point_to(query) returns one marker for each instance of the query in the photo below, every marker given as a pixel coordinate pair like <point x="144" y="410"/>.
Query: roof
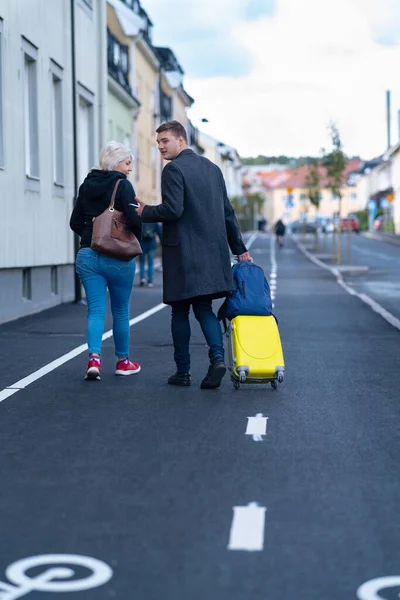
<point x="296" y="178"/>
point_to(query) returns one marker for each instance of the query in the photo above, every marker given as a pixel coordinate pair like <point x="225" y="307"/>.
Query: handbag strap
<point x="111" y="207"/>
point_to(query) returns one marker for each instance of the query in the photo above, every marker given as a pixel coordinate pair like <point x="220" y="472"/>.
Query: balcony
<point x="137" y="8"/>
<point x="165" y="107"/>
<point x="118" y="61"/>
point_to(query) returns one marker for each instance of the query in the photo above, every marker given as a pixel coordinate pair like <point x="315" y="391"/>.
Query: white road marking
<point x="251" y="240"/>
<point x="247" y="529"/>
<point x="58" y="362"/>
<point x="368" y="590"/>
<point x="49" y="581"/>
<point x="376" y="307"/>
<point x="257" y="427"/>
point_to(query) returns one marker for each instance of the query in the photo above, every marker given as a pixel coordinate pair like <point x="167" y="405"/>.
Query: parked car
<point x="378" y="223"/>
<point x="351" y="222"/>
<point x="301" y="227"/>
<point x="329" y="226"/>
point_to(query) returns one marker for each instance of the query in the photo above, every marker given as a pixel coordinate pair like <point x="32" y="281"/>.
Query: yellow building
<point x="286" y="194"/>
<point x="147" y="81"/>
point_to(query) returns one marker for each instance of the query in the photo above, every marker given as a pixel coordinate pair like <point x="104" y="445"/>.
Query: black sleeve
<point x="77" y="219"/>
<point x="235" y="240"/>
<point x="126" y="196"/>
<point x="173" y="193"/>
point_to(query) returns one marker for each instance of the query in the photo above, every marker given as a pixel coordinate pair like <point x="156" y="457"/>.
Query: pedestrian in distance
<point x="98" y="272"/>
<point x="150" y="233"/>
<point x="199" y="227"/>
<point x="280" y="230"/>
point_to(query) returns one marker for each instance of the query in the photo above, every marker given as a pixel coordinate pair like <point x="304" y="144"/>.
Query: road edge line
<point x="375" y="306"/>
<point x="61" y="360"/>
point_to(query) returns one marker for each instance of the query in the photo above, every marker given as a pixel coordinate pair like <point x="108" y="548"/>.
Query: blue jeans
<point x="180" y="327"/>
<point x="97" y="272"/>
<point x="150" y="263"/>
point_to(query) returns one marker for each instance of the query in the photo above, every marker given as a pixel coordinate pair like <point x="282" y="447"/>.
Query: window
<point x="27" y="283"/>
<point x="1" y="98"/>
<point x="54" y="280"/>
<point x="31" y="110"/>
<point x="86" y="159"/>
<point x="57" y="124"/>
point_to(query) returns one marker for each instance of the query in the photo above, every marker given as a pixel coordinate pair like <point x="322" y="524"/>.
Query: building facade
<point x="53" y="123"/>
<point x="122" y="103"/>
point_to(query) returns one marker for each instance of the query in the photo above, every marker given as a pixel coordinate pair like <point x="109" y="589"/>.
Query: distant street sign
<point x="289" y="190"/>
<point x="390" y="197"/>
<point x="289" y="202"/>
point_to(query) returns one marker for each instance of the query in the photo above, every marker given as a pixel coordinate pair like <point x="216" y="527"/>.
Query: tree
<point x="313" y="183"/>
<point x="335" y="163"/>
<point x="246" y="209"/>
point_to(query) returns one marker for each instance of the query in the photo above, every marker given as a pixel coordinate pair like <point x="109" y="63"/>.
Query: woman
<point x="96" y="271"/>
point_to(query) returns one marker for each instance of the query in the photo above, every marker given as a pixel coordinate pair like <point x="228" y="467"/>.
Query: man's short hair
<point x="176" y="128"/>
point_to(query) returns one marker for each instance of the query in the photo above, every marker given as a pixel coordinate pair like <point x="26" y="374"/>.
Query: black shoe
<point x="182" y="379"/>
<point x="213" y="379"/>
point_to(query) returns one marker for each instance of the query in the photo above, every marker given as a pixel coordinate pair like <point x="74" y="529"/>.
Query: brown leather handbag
<point x="111" y="236"/>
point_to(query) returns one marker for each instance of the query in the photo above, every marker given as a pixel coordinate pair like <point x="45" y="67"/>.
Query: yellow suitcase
<point x="255" y="351"/>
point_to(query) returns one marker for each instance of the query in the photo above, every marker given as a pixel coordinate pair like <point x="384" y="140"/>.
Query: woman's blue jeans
<point x="97" y="272"/>
<point x="180" y="327"/>
<point x="150" y="264"/>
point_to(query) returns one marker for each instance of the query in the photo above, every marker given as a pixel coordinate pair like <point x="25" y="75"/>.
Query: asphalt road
<point x="145" y="477"/>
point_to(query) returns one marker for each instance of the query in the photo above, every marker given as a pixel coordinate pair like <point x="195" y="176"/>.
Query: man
<point x="199" y="226"/>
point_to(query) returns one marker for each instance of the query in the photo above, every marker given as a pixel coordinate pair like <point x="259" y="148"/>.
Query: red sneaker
<point x="93" y="368"/>
<point x="127" y="367"/>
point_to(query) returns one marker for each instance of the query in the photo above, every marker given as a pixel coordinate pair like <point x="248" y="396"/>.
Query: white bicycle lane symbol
<point x="49" y="580"/>
<point x="370" y="589"/>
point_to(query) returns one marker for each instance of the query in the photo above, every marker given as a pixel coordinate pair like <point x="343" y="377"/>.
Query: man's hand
<point x="244" y="257"/>
<point x="141" y="206"/>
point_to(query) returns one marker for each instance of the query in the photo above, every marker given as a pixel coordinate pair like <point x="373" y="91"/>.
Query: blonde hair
<point x="112" y="154"/>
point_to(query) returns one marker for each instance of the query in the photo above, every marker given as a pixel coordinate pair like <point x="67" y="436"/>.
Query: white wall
<point x="34" y="228"/>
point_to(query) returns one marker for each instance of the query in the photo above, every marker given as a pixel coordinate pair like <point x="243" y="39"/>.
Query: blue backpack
<point x="251" y="295"/>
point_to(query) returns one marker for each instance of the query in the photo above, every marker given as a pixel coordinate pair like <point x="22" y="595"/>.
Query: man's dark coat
<point x="199" y="227"/>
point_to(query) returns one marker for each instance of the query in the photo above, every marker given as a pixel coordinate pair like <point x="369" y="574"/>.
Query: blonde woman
<point x="98" y="272"/>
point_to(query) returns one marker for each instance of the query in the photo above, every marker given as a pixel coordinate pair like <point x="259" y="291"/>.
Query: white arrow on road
<point x="247" y="530"/>
<point x="257" y="427"/>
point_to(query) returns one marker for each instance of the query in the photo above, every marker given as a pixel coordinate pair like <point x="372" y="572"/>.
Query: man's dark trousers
<point x="180" y="327"/>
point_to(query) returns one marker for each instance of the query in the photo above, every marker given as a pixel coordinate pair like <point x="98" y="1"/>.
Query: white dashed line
<point x="257" y="427"/>
<point x="247" y="529"/>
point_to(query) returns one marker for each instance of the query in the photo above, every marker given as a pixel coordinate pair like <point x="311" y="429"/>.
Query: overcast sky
<point x="270" y="74"/>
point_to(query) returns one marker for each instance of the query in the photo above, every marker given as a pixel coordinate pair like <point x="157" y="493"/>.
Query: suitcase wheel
<point x="274" y="384"/>
<point x="235" y="382"/>
<point x="280" y="376"/>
